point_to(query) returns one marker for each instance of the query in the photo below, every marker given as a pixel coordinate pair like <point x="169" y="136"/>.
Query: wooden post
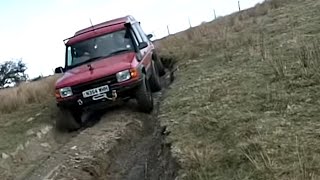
<point x="168" y="29"/>
<point x="215" y="16"/>
<point x="239" y="5"/>
<point x="189" y="22"/>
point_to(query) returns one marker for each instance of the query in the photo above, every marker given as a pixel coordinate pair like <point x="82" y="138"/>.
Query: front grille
<point x="78" y="89"/>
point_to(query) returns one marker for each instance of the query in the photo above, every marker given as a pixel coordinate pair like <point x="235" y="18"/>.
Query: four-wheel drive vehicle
<point x="106" y="62"/>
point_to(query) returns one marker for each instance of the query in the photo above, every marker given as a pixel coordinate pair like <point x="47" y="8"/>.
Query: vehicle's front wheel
<point x="144" y="97"/>
<point x="68" y="120"/>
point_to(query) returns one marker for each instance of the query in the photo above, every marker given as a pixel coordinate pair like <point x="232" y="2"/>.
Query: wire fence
<point x="183" y="23"/>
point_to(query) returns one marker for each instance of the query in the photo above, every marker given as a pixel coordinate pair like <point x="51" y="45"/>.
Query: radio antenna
<point x="91" y="22"/>
<point x="92" y="26"/>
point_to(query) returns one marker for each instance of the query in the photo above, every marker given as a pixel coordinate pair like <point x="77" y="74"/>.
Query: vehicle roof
<point x="99" y="29"/>
<point x="120" y="20"/>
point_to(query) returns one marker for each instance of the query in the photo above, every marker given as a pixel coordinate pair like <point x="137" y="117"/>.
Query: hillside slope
<point x="245" y="104"/>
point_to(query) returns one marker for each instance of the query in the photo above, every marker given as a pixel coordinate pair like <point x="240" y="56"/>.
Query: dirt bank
<point x="122" y="143"/>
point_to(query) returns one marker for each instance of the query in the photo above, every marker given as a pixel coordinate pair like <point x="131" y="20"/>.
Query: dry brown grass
<point x="245" y="104"/>
<point x="13" y="99"/>
<point x="213" y="36"/>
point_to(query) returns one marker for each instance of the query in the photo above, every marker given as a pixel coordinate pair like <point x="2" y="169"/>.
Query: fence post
<point x="239" y="5"/>
<point x="168" y="29"/>
<point x="189" y="22"/>
<point x="215" y="16"/>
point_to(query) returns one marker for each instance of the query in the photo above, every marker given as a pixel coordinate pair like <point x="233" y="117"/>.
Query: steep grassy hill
<point x="246" y="101"/>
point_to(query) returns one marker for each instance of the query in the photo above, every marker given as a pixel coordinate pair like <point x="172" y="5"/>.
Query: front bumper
<point x="116" y="92"/>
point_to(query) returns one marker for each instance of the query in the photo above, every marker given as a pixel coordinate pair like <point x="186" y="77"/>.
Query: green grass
<point x="245" y="104"/>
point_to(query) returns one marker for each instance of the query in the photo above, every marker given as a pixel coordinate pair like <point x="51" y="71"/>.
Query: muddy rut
<point x="119" y="143"/>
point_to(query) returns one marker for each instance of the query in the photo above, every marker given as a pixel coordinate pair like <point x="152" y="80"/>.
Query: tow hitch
<point x="105" y="96"/>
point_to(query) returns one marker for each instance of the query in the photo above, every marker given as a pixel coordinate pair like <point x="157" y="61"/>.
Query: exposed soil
<point x="121" y="143"/>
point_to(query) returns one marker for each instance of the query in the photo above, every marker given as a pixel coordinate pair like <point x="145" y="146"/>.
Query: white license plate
<point x="95" y="91"/>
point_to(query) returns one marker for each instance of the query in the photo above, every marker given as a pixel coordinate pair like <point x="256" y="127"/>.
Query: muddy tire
<point x="159" y="65"/>
<point x="144" y="97"/>
<point x="67" y="120"/>
<point x="172" y="76"/>
<point x="155" y="83"/>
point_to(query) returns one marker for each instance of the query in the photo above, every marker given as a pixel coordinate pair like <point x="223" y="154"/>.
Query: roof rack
<point x="130" y="19"/>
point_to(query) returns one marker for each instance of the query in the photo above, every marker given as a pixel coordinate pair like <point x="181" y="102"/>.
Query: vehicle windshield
<point x="98" y="47"/>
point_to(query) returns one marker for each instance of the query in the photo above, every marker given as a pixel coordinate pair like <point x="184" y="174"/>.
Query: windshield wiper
<point x="94" y="58"/>
<point x="87" y="61"/>
<point x="119" y="51"/>
<point x="99" y="57"/>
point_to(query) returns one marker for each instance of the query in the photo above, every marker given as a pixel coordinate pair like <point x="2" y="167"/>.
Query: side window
<point x="142" y="34"/>
<point x="137" y="34"/>
<point x="69" y="56"/>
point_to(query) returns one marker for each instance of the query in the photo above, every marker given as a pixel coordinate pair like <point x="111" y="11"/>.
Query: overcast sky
<point x="33" y="30"/>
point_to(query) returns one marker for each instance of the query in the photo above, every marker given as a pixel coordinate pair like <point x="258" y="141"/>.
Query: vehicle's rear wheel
<point x="68" y="120"/>
<point x="160" y="68"/>
<point x="154" y="80"/>
<point x="144" y="97"/>
<point x="172" y="76"/>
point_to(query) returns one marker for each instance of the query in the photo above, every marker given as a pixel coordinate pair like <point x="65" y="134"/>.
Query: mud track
<point x="121" y="143"/>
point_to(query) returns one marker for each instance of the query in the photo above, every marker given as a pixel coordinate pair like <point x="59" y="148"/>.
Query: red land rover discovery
<point x="106" y="62"/>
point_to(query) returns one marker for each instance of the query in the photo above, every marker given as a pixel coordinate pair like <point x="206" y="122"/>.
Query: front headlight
<point x="123" y="75"/>
<point x="65" y="92"/>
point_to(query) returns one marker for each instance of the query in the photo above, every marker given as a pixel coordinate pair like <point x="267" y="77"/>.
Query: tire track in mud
<point x="124" y="144"/>
<point x="103" y="136"/>
<point x="41" y="143"/>
<point x="147" y="158"/>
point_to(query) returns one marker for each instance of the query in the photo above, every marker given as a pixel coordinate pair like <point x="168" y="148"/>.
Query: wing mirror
<point x="59" y="70"/>
<point x="143" y="45"/>
<point x="150" y="36"/>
